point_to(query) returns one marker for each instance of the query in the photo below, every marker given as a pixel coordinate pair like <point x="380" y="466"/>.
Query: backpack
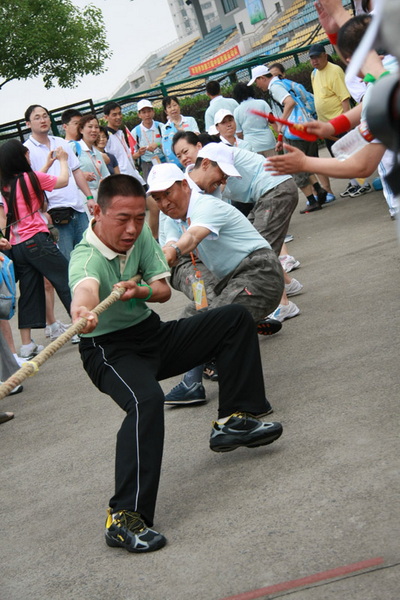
<point x="301" y="95"/>
<point x="7" y="287"/>
<point x="137" y="130"/>
<point x="301" y="112"/>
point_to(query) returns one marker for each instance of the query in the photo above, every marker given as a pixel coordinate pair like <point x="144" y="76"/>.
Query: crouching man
<point x="127" y="350"/>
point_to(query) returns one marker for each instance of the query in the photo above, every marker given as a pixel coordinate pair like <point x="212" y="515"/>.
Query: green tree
<point x="51" y="38"/>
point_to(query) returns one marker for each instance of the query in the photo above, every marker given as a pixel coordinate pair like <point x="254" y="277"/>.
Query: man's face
<point x="320" y="61"/>
<point x="146" y="114"/>
<point x="39" y="121"/>
<point x="186" y="153"/>
<point x="71" y="128"/>
<point x="227" y="127"/>
<point x="211" y="176"/>
<point x="114" y="119"/>
<point x="121" y="224"/>
<point x="174" y="201"/>
<point x="263" y="82"/>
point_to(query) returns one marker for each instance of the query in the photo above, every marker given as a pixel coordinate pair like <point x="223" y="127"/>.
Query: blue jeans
<point x="71" y="234"/>
<point x="34" y="259"/>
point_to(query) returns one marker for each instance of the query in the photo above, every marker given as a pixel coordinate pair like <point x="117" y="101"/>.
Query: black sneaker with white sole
<point x="125" y="529"/>
<point x="242" y="429"/>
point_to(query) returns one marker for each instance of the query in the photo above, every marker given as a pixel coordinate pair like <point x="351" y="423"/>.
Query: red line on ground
<point x="288" y="585"/>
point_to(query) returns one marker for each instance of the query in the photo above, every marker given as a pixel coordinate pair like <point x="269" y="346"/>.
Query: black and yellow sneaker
<point x="125" y="529"/>
<point x="242" y="429"/>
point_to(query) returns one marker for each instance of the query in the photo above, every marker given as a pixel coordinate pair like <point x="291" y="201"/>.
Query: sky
<point x="134" y="30"/>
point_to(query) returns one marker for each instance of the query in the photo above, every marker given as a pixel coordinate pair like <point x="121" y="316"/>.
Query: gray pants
<point x="256" y="283"/>
<point x="8" y="364"/>
<point x="272" y="212"/>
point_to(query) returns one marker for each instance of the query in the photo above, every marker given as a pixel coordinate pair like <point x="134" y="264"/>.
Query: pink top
<point x="30" y="222"/>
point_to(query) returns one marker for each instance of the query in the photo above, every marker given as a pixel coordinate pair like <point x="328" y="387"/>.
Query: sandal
<point x="210" y="371"/>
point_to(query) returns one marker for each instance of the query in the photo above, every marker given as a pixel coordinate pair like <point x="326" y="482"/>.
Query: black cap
<point x="316" y="50"/>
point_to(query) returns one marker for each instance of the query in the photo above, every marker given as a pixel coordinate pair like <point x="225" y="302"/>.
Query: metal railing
<point x="193" y="86"/>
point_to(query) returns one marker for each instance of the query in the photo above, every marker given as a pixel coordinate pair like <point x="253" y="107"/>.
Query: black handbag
<point x="61" y="216"/>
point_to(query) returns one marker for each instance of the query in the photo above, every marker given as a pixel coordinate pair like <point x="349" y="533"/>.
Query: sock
<point x="317" y="186"/>
<point x="193" y="376"/>
<point x="355" y="183"/>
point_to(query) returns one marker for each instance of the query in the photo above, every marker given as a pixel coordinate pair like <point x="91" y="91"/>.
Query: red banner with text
<point x="214" y="63"/>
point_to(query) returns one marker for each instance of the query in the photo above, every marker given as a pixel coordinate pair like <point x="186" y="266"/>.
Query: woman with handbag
<point x="34" y="254"/>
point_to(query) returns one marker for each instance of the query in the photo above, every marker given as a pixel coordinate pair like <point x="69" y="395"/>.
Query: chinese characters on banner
<point x="214" y="63"/>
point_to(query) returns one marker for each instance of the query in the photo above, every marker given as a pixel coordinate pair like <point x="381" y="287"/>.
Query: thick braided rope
<point x="31" y="367"/>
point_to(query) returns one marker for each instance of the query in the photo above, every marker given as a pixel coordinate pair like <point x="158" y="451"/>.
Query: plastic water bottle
<point x="352" y="142"/>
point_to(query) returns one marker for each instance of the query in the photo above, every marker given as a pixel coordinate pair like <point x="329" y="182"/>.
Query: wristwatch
<point x="177" y="250"/>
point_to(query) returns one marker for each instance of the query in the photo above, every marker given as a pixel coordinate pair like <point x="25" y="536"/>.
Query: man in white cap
<point x="127" y="350"/>
<point x="148" y="138"/>
<point x="149" y="152"/>
<point x="246" y="269"/>
<point x="225" y="125"/>
<point x="283" y="105"/>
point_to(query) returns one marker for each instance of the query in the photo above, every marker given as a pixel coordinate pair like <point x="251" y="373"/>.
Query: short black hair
<point x="166" y="101"/>
<point x="241" y="92"/>
<point x="30" y="110"/>
<point x="213" y="88"/>
<point x="189" y="136"/>
<point x="199" y="161"/>
<point x="109" y="106"/>
<point x="278" y="66"/>
<point x="69" y="114"/>
<point x="105" y="131"/>
<point x="118" y="185"/>
<point x="206" y="138"/>
<point x="351" y="34"/>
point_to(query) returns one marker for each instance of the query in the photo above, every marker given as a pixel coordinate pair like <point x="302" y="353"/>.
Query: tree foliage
<point x="51" y="38"/>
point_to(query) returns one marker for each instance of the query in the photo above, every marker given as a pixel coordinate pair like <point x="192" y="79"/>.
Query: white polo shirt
<point x="68" y="196"/>
<point x="117" y="145"/>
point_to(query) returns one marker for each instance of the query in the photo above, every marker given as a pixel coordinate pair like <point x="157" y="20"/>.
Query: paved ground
<point x="324" y="496"/>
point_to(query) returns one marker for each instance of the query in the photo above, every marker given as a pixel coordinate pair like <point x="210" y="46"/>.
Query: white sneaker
<point x="289" y="263"/>
<point x="47" y="330"/>
<point x="19" y="360"/>
<point x="56" y="329"/>
<point x="285" y="311"/>
<point x="28" y="351"/>
<point x="293" y="288"/>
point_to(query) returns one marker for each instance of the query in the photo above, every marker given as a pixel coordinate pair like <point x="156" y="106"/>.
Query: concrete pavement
<point x="324" y="496"/>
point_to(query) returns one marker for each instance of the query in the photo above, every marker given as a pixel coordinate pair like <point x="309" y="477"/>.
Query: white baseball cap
<point x="221" y="114"/>
<point x="212" y="130"/>
<point x="258" y="71"/>
<point x="163" y="176"/>
<point x="144" y="104"/>
<point x="221" y="154"/>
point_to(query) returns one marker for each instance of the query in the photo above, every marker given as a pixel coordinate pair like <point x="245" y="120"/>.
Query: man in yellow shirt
<point x="331" y="95"/>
